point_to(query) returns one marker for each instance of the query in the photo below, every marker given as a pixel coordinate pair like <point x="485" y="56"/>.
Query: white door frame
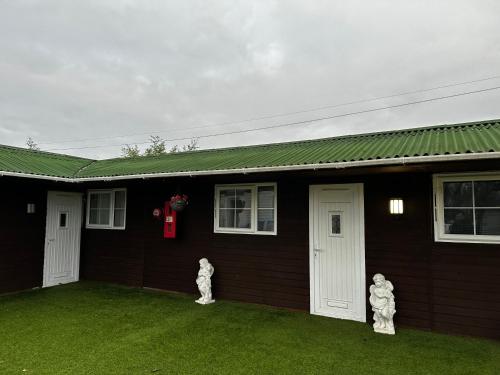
<point x="313" y="190"/>
<point x="48" y="241"/>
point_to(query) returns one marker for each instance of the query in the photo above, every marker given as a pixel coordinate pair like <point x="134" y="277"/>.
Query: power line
<point x="267" y="117"/>
<point x="296" y="122"/>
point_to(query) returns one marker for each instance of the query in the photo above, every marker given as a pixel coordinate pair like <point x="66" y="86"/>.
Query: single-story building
<point x="302" y="225"/>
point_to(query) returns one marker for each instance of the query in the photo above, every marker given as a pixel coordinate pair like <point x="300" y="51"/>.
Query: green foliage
<point x="131" y="151"/>
<point x="91" y="328"/>
<point x="31" y="144"/>
<point x="157" y="147"/>
<point x="191" y="146"/>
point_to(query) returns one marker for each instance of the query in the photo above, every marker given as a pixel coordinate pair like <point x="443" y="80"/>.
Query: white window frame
<point x="112" y="210"/>
<point x="439" y="234"/>
<point x="253" y="227"/>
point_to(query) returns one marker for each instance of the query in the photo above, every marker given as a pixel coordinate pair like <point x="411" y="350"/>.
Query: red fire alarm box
<point x="170" y="222"/>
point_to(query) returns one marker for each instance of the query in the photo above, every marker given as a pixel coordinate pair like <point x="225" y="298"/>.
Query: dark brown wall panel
<point x="448" y="287"/>
<point x="466" y="281"/>
<point x="438" y="286"/>
<point x="117" y="256"/>
<point x="399" y="245"/>
<point x="22" y="235"/>
<point x="263" y="269"/>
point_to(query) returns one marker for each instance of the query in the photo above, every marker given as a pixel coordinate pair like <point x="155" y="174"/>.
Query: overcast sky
<point x="96" y="70"/>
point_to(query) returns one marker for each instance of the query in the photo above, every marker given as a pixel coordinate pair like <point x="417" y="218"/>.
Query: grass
<point x="91" y="328"/>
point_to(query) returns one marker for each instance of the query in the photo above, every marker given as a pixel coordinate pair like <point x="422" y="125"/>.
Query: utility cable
<point x="266" y="117"/>
<point x="303" y="122"/>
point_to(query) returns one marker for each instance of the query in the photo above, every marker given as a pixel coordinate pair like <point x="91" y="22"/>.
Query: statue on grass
<point x="204" y="283"/>
<point x="383" y="305"/>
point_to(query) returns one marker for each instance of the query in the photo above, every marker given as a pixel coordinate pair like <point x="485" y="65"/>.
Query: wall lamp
<point x="396" y="206"/>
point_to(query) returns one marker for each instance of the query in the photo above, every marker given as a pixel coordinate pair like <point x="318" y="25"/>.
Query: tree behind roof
<point x="158" y="147"/>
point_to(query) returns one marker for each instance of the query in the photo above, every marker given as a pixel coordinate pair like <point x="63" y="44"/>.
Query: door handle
<point x="316" y="251"/>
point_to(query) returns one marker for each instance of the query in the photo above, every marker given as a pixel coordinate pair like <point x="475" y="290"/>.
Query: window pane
<point x="243" y="219"/>
<point x="265" y="197"/>
<point x="487" y="193"/>
<point x="93" y="216"/>
<point x="62" y="219"/>
<point x="104" y="216"/>
<point x="488" y="221"/>
<point x="119" y="220"/>
<point x="94" y="200"/>
<point x="227" y="198"/>
<point x="244" y="198"/>
<point x="265" y="220"/>
<point x="457" y="194"/>
<point x="226" y="218"/>
<point x="336" y="224"/>
<point x="119" y="199"/>
<point x="458" y="221"/>
<point x="105" y="200"/>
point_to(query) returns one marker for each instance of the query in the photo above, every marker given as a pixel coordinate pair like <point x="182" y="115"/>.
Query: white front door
<point x="62" y="238"/>
<point x="337" y="251"/>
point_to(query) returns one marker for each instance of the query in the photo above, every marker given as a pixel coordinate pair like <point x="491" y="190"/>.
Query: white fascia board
<point x="36" y="176"/>
<point x="299" y="167"/>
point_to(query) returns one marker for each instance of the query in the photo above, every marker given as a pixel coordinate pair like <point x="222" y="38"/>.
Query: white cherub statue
<point x="204" y="283"/>
<point x="383" y="305"/>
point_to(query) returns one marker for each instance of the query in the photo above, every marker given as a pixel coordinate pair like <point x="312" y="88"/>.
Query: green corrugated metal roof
<point x="477" y="137"/>
<point x="21" y="160"/>
<point x="437" y="140"/>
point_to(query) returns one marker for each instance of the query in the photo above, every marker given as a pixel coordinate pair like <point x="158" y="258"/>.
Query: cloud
<point x="93" y="69"/>
<point x="268" y="60"/>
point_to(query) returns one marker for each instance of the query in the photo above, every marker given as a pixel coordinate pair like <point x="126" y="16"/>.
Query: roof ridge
<point x="346" y="136"/>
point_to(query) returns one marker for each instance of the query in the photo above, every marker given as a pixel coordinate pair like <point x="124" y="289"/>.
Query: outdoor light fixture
<point x="396" y="206"/>
<point x="30" y="208"/>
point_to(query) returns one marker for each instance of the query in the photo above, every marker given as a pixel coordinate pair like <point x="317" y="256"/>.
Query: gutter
<point x="36" y="176"/>
<point x="299" y="167"/>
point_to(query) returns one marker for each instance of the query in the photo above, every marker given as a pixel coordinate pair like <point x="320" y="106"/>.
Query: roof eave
<point x="36" y="176"/>
<point x="299" y="167"/>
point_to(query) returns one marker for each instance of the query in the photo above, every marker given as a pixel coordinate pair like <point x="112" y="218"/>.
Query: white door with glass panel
<point x="337" y="253"/>
<point x="62" y="238"/>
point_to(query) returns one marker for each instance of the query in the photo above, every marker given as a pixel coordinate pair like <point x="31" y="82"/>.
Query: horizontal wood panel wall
<point x="22" y="235"/>
<point x="117" y="256"/>
<point x="447" y="287"/>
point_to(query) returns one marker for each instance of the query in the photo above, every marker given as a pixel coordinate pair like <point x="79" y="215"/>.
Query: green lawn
<point x="90" y="328"/>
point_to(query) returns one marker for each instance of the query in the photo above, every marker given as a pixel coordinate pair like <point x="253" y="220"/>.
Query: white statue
<point x="204" y="283"/>
<point x="383" y="305"/>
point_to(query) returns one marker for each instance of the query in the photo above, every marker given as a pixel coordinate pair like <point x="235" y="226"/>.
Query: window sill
<point x="488" y="240"/>
<point x="103" y="227"/>
<point x="245" y="232"/>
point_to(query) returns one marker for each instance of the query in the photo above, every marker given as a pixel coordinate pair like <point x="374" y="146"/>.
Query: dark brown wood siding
<point x="262" y="269"/>
<point x="447" y="287"/>
<point x="465" y="295"/>
<point x="117" y="256"/>
<point x="399" y="246"/>
<point x="22" y="235"/>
